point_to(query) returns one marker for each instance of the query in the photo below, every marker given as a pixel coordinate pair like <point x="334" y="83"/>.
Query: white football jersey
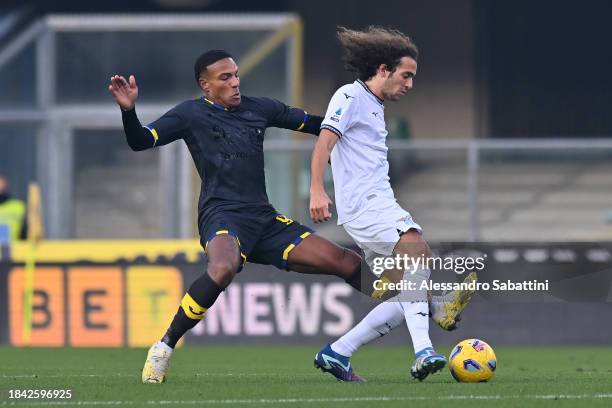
<point x="359" y="158"/>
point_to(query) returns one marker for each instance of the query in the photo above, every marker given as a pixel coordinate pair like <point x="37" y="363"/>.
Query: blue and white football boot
<point x="328" y="361"/>
<point x="427" y="362"/>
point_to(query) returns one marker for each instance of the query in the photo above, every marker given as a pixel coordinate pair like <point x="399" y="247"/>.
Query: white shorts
<point x="377" y="230"/>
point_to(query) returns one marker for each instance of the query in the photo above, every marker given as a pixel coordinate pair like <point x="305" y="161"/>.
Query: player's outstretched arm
<point x="309" y="124"/>
<point x="319" y="200"/>
<point x="125" y="93"/>
<point x="287" y="117"/>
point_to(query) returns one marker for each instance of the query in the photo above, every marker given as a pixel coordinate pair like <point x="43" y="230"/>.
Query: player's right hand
<point x="124" y="92"/>
<point x="319" y="206"/>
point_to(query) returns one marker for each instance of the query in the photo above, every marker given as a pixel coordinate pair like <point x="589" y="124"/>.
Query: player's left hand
<point x="319" y="206"/>
<point x="124" y="91"/>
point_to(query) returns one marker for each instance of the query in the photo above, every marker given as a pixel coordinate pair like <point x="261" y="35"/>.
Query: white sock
<point x="416" y="308"/>
<point x="436" y="307"/>
<point x="380" y="321"/>
<point x="417" y="320"/>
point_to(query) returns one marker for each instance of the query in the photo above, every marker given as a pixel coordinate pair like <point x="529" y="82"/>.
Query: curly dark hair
<point x="365" y="51"/>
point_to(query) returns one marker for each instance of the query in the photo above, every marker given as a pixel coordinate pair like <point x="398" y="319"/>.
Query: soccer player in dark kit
<point x="224" y="132"/>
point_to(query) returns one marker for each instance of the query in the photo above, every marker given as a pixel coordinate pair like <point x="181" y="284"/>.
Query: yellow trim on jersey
<point x="215" y="104"/>
<point x="287" y="250"/>
<point x="191" y="308"/>
<point x="155" y="136"/>
<point x="291" y="246"/>
<point x="303" y="122"/>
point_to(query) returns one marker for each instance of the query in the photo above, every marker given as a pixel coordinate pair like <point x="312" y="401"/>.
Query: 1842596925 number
<point x="31" y="394"/>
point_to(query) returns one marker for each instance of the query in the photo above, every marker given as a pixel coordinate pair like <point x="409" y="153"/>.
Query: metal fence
<point x="497" y="190"/>
<point x="54" y="77"/>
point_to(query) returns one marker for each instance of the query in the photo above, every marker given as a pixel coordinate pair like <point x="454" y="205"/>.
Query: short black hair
<point x="208" y="58"/>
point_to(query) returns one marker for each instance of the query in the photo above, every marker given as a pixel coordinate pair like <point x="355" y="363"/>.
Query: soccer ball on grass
<point x="472" y="360"/>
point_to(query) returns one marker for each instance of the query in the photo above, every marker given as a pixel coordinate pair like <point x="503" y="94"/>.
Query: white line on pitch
<point x="125" y="375"/>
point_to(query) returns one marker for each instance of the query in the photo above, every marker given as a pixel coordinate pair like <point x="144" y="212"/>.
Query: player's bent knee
<point x="223" y="271"/>
<point x="412" y="242"/>
<point x="412" y="236"/>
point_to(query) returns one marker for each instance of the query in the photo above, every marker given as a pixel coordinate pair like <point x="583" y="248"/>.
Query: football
<point x="472" y="360"/>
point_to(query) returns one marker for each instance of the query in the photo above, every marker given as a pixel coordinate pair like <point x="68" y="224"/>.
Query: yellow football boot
<point x="446" y="309"/>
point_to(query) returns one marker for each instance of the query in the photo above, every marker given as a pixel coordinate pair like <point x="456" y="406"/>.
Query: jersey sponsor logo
<point x="347" y="96"/>
<point x="239" y="155"/>
<point x="339" y="111"/>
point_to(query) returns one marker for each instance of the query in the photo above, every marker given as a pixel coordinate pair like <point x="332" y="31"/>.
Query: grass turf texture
<point x="258" y="376"/>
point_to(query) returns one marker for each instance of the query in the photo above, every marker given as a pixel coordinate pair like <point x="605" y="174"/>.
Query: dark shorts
<point x="264" y="236"/>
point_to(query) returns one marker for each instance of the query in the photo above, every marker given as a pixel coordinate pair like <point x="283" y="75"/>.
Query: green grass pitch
<point x="266" y="376"/>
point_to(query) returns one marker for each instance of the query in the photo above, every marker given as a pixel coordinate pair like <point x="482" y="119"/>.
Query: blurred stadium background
<point x="505" y="142"/>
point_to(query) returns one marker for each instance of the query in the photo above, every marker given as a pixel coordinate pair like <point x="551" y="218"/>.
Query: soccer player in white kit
<point x="353" y="136"/>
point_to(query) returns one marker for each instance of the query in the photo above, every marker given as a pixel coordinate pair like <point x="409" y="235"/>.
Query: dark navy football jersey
<point x="227" y="145"/>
